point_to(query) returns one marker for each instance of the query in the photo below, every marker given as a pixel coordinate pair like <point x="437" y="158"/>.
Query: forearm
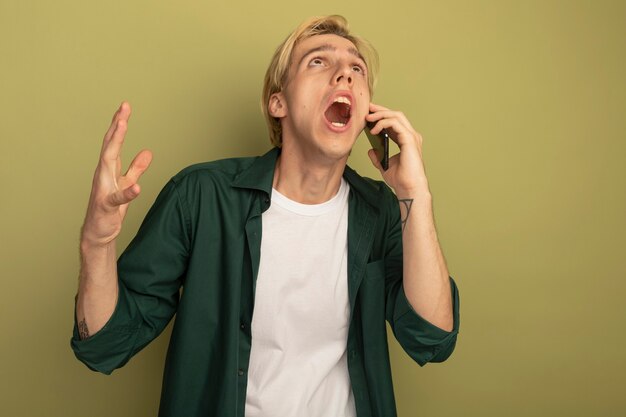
<point x="426" y="279"/>
<point x="98" y="287"/>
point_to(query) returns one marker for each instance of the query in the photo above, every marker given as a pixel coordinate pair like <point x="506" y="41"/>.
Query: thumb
<point x="374" y="158"/>
<point x="125" y="196"/>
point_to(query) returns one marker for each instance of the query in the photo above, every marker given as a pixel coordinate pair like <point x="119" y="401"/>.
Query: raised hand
<point x="111" y="192"/>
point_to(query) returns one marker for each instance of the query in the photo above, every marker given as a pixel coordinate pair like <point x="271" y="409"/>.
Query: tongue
<point x="338" y="113"/>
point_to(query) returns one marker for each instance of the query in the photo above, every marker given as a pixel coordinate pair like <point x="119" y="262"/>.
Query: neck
<point x="307" y="182"/>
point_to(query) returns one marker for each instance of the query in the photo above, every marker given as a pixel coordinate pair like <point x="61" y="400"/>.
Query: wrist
<point x="416" y="194"/>
<point x="98" y="265"/>
<point x="90" y="239"/>
<point x="89" y="244"/>
<point x="416" y="190"/>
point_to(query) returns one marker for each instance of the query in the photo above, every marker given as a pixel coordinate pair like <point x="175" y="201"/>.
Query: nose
<point x="344" y="73"/>
<point x="348" y="78"/>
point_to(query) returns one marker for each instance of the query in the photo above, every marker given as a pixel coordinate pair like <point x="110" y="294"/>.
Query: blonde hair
<point x="276" y="74"/>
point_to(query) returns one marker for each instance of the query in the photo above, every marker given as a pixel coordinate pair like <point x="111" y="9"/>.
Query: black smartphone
<point x="380" y="144"/>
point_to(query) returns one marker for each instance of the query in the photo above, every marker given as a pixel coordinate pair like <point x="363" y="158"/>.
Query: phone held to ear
<point x="380" y="144"/>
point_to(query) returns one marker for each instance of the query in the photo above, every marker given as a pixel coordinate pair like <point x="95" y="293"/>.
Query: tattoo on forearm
<point x="83" y="331"/>
<point x="406" y="203"/>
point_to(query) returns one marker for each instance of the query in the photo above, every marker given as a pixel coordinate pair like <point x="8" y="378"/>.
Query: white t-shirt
<point x="298" y="361"/>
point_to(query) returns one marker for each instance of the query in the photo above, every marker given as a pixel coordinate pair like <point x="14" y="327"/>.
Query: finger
<point x="397" y="129"/>
<point x="124" y="196"/>
<point x="140" y="163"/>
<point x="376" y="162"/>
<point x="112" y="149"/>
<point x="392" y="126"/>
<point x="380" y="112"/>
<point x="390" y="114"/>
<point x="123" y="112"/>
<point x="377" y="107"/>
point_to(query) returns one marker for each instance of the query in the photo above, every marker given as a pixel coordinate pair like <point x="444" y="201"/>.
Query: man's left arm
<point x="426" y="279"/>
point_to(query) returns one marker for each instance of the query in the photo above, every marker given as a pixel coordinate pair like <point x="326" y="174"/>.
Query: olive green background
<point x="522" y="108"/>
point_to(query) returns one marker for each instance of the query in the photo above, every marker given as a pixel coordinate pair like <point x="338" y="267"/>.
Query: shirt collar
<point x="260" y="176"/>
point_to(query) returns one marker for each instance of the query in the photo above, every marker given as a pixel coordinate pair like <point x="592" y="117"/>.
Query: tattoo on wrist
<point x="83" y="331"/>
<point x="406" y="203"/>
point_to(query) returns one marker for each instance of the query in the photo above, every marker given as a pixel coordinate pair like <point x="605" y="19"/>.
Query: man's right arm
<point x="111" y="193"/>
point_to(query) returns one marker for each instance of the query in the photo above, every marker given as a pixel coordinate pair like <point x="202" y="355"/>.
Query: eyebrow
<point x="328" y="47"/>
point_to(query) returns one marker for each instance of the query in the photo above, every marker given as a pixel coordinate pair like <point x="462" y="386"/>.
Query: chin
<point x="338" y="153"/>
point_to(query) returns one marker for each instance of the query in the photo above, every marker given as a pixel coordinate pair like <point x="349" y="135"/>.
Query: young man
<point x="320" y="255"/>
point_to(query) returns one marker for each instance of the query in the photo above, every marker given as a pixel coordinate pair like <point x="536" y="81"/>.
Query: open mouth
<point x="338" y="113"/>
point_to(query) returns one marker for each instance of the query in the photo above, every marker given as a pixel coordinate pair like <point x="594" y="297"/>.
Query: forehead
<point x="327" y="42"/>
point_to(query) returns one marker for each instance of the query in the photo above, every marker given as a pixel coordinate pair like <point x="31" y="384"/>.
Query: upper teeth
<point x="343" y="99"/>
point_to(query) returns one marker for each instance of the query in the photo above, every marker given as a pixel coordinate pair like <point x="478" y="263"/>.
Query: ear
<point x="277" y="106"/>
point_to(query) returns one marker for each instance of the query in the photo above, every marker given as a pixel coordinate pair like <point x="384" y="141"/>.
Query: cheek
<point x="364" y="92"/>
<point x="364" y="100"/>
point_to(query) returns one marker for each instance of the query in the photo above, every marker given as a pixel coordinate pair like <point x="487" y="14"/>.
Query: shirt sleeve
<point x="420" y="339"/>
<point x="150" y="273"/>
